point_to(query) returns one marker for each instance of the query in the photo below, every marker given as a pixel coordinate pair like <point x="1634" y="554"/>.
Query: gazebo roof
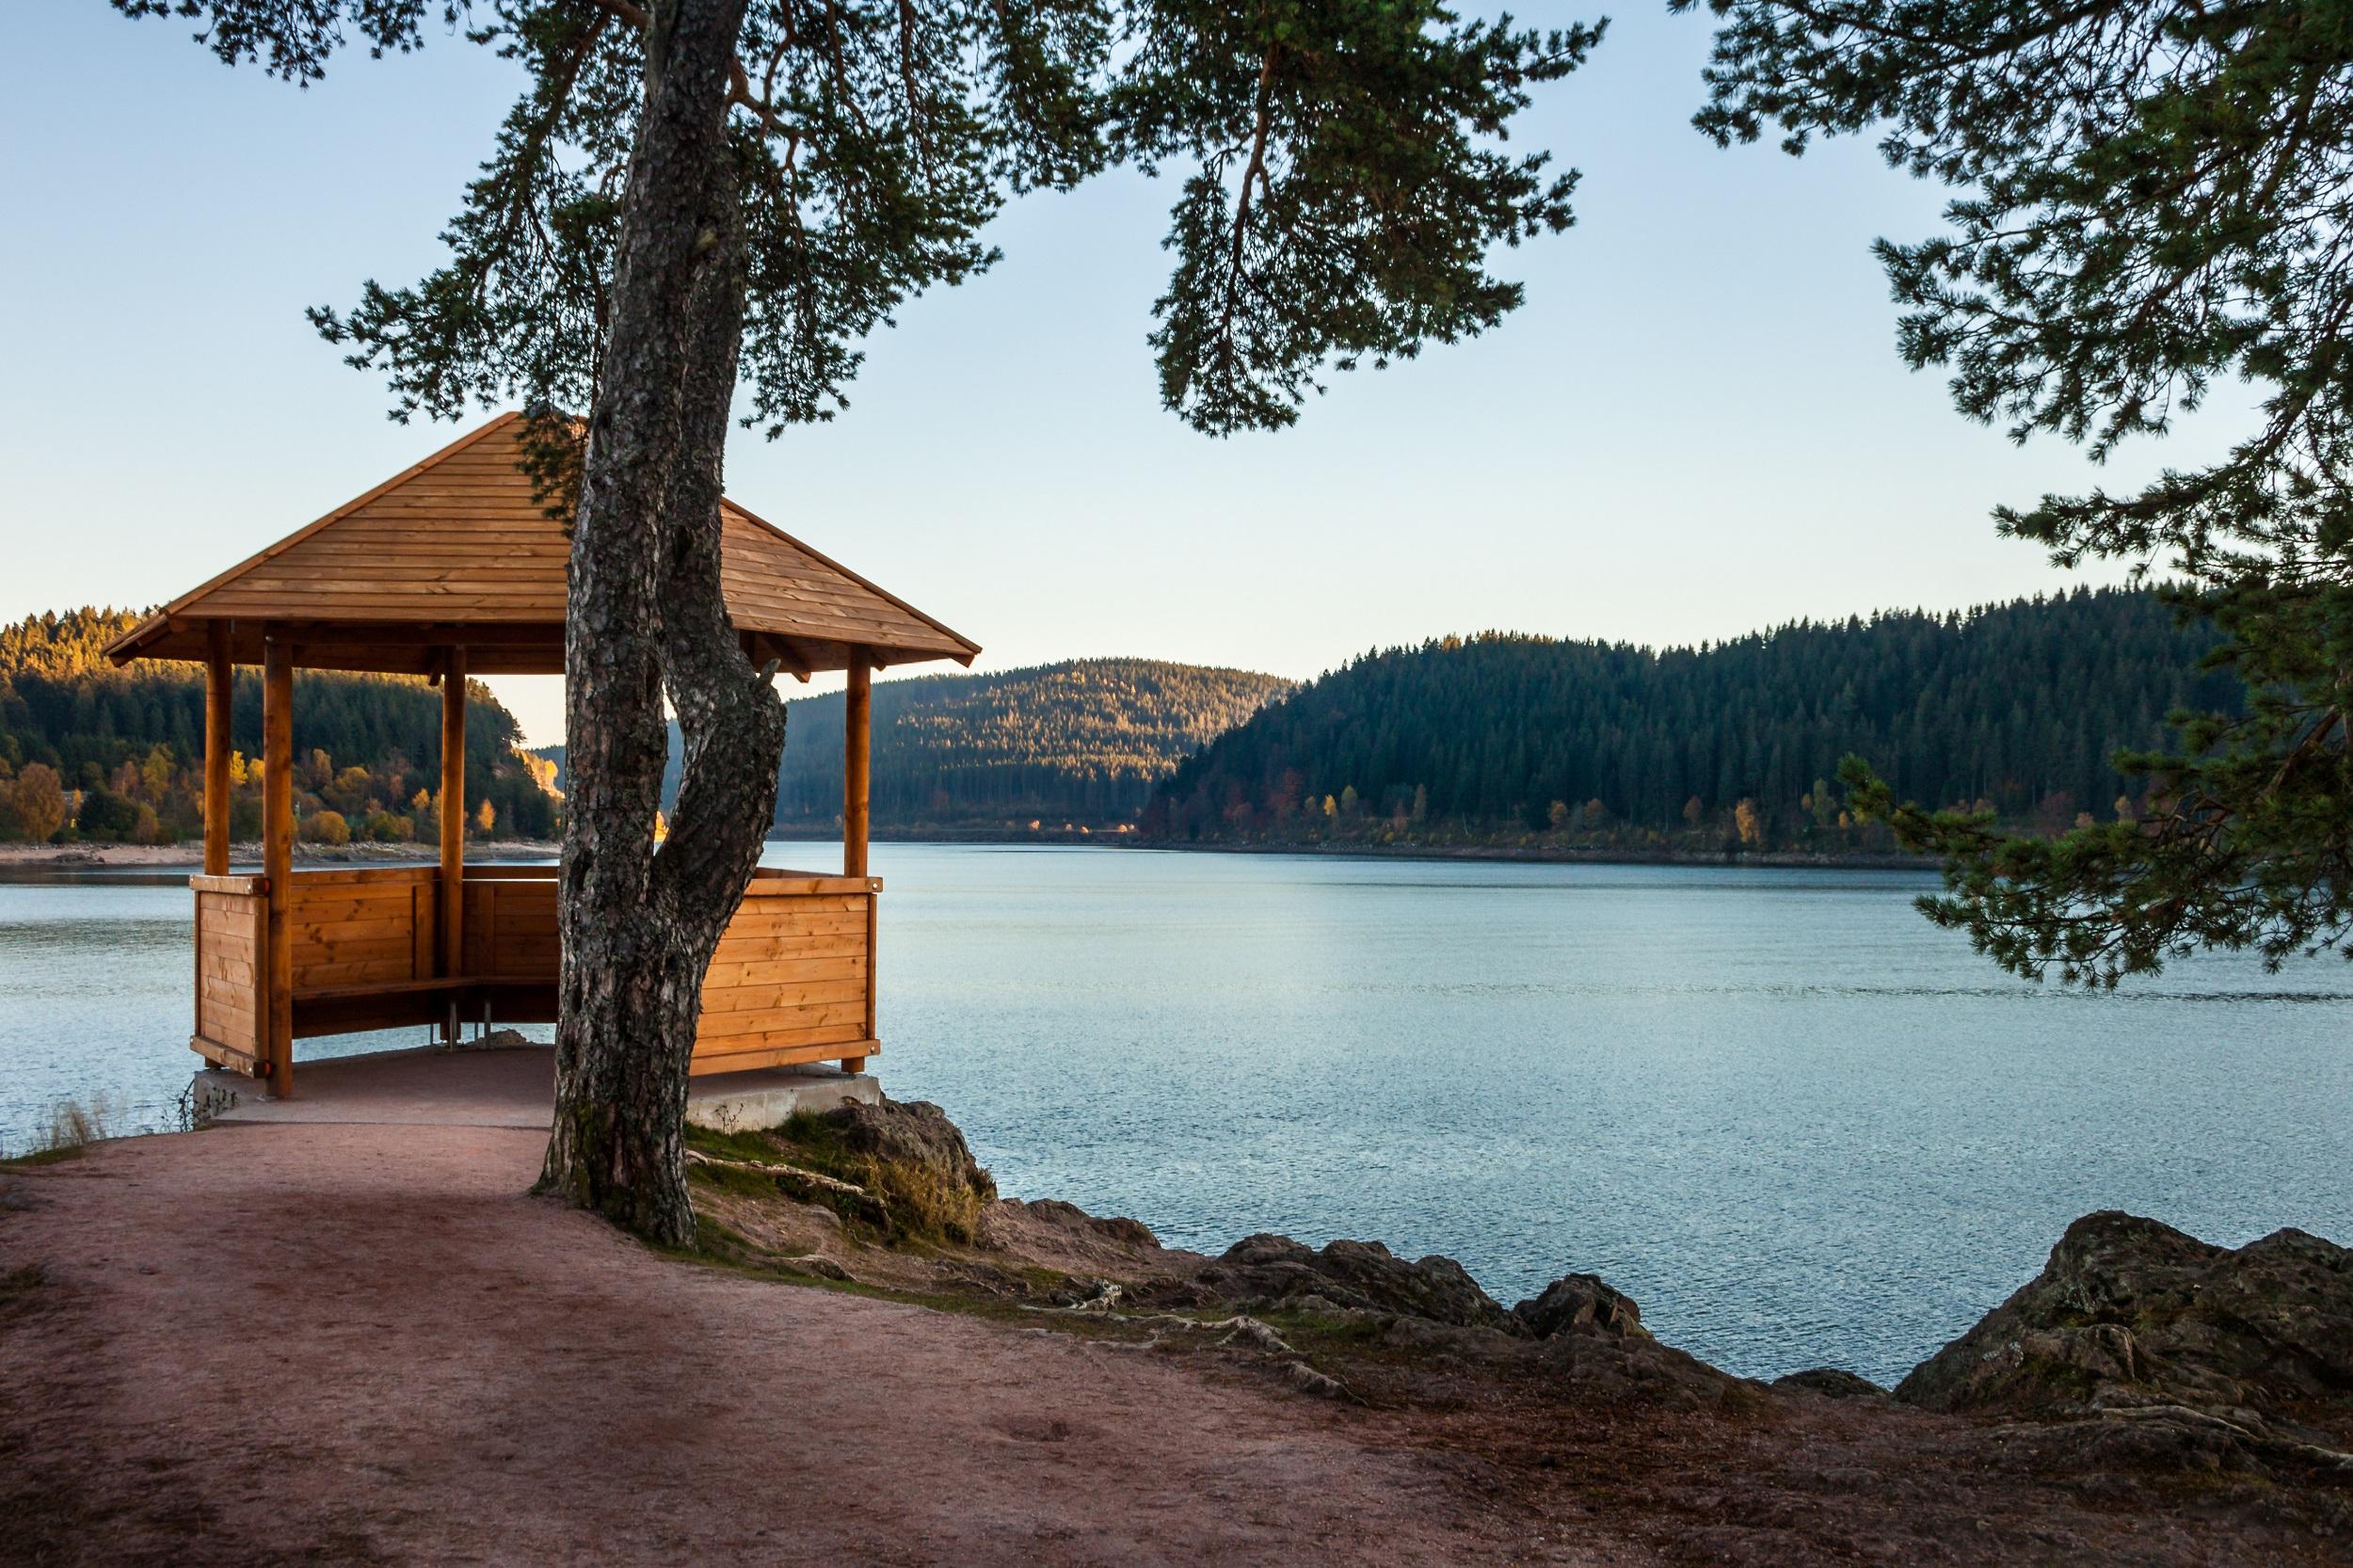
<point x="457" y="553"/>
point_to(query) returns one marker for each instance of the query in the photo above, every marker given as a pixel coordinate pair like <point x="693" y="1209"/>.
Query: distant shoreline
<point x="1113" y="838"/>
<point x="1777" y="858"/>
<point x="191" y="854"/>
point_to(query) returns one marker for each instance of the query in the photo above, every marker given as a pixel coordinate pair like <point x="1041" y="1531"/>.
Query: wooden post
<point x="856" y="790"/>
<point x="218" y="677"/>
<point x="857" y="742"/>
<point x="278" y="850"/>
<point x="452" y="912"/>
<point x="857" y="1064"/>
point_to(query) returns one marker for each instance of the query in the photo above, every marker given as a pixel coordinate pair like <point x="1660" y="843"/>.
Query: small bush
<point x="385" y="828"/>
<point x="326" y="827"/>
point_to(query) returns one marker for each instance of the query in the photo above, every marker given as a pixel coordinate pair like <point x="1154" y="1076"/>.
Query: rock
<point x="1116" y="1230"/>
<point x="1263" y="1272"/>
<point x="911" y="1159"/>
<point x="497" y="1039"/>
<point x="916" y="1134"/>
<point x="1579" y="1302"/>
<point x="1127" y="1232"/>
<point x="1831" y="1382"/>
<point x="2133" y="1320"/>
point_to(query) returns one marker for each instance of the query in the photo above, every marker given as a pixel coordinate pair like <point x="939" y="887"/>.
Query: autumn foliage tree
<point x="39" y="800"/>
<point x="694" y="196"/>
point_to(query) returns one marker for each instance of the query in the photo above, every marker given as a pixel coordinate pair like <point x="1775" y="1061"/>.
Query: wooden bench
<point x="442" y="1000"/>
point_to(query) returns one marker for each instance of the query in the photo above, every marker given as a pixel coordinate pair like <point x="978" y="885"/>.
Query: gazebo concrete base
<point x="742" y="1102"/>
<point x="500" y="1086"/>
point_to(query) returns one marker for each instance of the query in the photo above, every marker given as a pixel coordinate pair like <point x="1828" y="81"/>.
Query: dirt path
<point x="361" y="1344"/>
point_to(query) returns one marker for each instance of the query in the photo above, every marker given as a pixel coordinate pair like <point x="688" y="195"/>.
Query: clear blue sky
<point x="1696" y="427"/>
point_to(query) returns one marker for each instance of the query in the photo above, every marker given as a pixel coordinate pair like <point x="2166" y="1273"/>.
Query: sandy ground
<point x="282" y="1344"/>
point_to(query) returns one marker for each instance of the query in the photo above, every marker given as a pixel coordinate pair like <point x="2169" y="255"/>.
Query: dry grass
<point x="895" y="1202"/>
<point x="72" y="1124"/>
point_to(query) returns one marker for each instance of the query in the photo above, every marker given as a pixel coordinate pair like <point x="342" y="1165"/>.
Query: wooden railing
<point x="231" y="937"/>
<point x="510" y="930"/>
<point x="793" y="980"/>
<point x="355" y="929"/>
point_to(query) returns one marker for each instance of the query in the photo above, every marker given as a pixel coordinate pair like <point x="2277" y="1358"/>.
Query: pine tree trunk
<point x="646" y="617"/>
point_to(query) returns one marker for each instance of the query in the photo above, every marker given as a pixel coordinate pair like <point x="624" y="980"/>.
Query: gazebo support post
<point x="856" y="762"/>
<point x="856" y="792"/>
<point x="453" y="816"/>
<point x="277" y="661"/>
<point x="218" y="675"/>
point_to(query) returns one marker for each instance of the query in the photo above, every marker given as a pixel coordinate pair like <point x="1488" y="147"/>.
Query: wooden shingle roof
<point x="457" y="551"/>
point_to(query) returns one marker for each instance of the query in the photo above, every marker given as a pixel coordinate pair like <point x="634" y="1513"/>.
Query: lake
<point x="1793" y="1121"/>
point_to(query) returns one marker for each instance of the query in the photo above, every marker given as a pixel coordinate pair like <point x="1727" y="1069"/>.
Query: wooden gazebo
<point x="449" y="569"/>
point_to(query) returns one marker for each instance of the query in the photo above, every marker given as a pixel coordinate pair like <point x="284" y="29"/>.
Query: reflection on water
<point x="1793" y="1120"/>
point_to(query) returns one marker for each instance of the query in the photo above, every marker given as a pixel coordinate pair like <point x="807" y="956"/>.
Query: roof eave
<point x="972" y="650"/>
<point x="126" y="648"/>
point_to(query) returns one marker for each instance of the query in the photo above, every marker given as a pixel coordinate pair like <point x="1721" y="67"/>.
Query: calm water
<point x="1793" y="1121"/>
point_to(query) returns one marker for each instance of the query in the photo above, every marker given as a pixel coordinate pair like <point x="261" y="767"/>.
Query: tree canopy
<point x="1081" y="742"/>
<point x="1340" y="167"/>
<point x="129" y="742"/>
<point x="2153" y="203"/>
<point x="1501" y="737"/>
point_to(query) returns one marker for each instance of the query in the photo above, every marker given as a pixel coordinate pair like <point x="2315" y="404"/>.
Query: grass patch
<point x="40" y="1157"/>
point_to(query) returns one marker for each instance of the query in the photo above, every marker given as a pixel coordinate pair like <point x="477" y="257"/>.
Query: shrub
<point x="386" y="828"/>
<point x="326" y="827"/>
<point x="105" y="814"/>
<point x="37" y="800"/>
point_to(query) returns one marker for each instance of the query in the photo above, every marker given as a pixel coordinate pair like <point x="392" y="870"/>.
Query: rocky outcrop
<point x="2199" y="1347"/>
<point x="915" y="1134"/>
<point x="1056" y="1235"/>
<point x="1831" y="1382"/>
<point x="1579" y="1302"/>
<point x="1429" y="1302"/>
<point x="1265" y="1272"/>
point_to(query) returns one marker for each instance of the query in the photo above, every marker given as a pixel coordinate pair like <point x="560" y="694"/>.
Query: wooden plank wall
<point x="360" y="928"/>
<point x="792" y="979"/>
<point x="231" y="918"/>
<point x="510" y="923"/>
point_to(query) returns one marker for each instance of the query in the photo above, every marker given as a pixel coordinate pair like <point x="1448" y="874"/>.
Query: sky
<point x="1696" y="427"/>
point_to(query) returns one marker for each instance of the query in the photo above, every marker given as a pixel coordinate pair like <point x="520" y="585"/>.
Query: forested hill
<point x="95" y="753"/>
<point x="1079" y="742"/>
<point x="1511" y="738"/>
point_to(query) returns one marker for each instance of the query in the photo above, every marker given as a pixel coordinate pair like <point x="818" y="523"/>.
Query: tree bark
<point x="645" y="615"/>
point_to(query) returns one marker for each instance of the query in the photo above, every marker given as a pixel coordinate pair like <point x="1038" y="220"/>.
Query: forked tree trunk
<point x="646" y="615"/>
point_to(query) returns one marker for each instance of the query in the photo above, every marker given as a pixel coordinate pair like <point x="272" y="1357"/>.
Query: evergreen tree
<point x="2012" y="704"/>
<point x="2154" y="200"/>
